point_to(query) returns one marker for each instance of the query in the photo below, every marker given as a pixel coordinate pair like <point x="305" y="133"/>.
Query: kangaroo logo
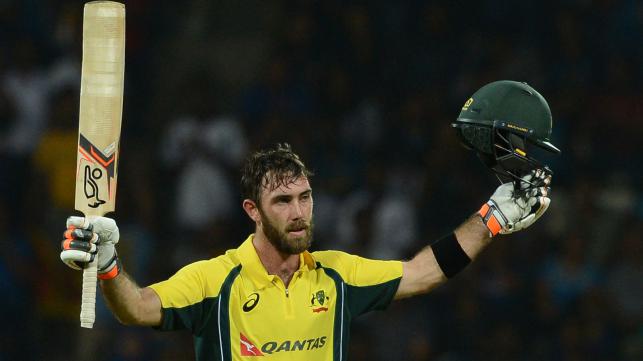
<point x="247" y="347"/>
<point x="91" y="187"/>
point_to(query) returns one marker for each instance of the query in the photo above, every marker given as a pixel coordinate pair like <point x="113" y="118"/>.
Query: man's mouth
<point x="298" y="231"/>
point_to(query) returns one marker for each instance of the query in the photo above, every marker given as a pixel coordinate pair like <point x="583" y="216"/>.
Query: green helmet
<point x="500" y="121"/>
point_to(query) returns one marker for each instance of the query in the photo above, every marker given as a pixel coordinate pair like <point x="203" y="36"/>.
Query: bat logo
<point x="99" y="172"/>
<point x="91" y="187"/>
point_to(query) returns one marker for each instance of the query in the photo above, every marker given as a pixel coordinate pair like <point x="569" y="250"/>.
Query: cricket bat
<point x="99" y="124"/>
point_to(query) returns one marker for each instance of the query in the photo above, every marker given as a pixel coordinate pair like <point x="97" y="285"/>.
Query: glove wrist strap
<point x="112" y="270"/>
<point x="492" y="217"/>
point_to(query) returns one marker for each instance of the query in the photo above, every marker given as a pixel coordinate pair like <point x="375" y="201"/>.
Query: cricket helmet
<point x="501" y="122"/>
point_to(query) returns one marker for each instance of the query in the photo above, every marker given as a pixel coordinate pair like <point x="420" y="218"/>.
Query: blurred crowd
<point x="364" y="91"/>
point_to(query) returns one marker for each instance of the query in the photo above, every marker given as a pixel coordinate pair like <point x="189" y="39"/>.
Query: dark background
<point x="365" y="92"/>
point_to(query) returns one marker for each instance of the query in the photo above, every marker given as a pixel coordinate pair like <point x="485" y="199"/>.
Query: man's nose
<point x="297" y="210"/>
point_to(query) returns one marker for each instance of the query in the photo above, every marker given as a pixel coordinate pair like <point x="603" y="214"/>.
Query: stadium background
<point x="365" y="92"/>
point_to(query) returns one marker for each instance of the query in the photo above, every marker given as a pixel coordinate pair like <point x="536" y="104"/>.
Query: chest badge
<point x="251" y="303"/>
<point x="318" y="300"/>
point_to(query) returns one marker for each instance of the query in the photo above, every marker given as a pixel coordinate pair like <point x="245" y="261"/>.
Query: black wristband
<point x="450" y="256"/>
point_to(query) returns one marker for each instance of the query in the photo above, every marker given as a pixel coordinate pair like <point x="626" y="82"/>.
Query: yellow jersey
<point x="237" y="311"/>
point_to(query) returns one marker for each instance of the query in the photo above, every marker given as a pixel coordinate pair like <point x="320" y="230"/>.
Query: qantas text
<point x="297" y="345"/>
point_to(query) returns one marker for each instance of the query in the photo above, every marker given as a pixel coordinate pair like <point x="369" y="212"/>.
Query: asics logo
<point x="251" y="303"/>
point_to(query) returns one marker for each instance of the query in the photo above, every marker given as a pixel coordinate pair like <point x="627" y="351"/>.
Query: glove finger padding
<point x="78" y="247"/>
<point x="538" y="209"/>
<point x="79" y="222"/>
<point x="518" y="208"/>
<point x="90" y="237"/>
<point x="104" y="227"/>
<point x="535" y="180"/>
<point x="76" y="259"/>
<point x="80" y="235"/>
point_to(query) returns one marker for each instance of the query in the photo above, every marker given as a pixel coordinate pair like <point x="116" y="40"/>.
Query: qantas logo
<point x="249" y="349"/>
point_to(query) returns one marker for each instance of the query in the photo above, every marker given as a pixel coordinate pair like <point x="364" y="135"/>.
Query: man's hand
<point x="509" y="210"/>
<point x="86" y="238"/>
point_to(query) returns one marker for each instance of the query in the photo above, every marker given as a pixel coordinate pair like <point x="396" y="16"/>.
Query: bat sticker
<point x="99" y="172"/>
<point x="91" y="187"/>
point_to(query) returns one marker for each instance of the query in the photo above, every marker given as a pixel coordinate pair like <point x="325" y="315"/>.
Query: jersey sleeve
<point x="370" y="284"/>
<point x="189" y="297"/>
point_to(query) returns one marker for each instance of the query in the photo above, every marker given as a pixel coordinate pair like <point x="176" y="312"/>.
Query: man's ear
<point x="252" y="210"/>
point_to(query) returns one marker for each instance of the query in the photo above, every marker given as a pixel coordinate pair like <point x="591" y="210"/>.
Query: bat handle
<point x="88" y="300"/>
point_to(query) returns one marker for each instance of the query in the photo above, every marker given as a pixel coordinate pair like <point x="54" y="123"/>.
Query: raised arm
<point x="506" y="212"/>
<point x="129" y="303"/>
<point x="86" y="239"/>
<point x="423" y="273"/>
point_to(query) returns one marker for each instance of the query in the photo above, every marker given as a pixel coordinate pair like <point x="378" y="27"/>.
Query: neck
<point x="276" y="263"/>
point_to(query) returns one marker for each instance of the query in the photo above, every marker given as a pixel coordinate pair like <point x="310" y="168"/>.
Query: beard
<point x="285" y="243"/>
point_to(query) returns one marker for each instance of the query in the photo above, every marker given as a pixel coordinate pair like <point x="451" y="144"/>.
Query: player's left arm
<point x="507" y="211"/>
<point x="423" y="273"/>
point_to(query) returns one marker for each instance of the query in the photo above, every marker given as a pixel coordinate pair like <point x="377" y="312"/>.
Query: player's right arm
<point x="131" y="304"/>
<point x="86" y="239"/>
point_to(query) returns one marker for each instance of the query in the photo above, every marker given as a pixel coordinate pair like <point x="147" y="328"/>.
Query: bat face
<point x="101" y="104"/>
<point x="96" y="177"/>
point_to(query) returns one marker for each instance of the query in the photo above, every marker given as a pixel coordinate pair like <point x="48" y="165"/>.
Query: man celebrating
<point x="271" y="297"/>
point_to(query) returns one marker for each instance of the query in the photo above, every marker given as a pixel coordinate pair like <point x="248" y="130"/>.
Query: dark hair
<point x="272" y="167"/>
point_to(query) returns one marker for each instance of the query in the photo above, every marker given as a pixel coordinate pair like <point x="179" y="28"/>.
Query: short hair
<point x="272" y="167"/>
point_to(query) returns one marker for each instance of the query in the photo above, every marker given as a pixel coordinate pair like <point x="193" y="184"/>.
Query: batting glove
<point x="90" y="237"/>
<point x="510" y="210"/>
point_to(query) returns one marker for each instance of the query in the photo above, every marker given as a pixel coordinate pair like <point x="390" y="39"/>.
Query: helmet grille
<point x="497" y="149"/>
<point x="477" y="138"/>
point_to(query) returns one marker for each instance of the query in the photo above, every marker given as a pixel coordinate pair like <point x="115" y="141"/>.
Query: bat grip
<point x="88" y="300"/>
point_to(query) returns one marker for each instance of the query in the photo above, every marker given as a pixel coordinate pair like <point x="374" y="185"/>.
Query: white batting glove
<point x="90" y="237"/>
<point x="510" y="211"/>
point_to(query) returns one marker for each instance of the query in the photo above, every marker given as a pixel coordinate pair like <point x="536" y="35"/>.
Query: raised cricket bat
<point x="99" y="125"/>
